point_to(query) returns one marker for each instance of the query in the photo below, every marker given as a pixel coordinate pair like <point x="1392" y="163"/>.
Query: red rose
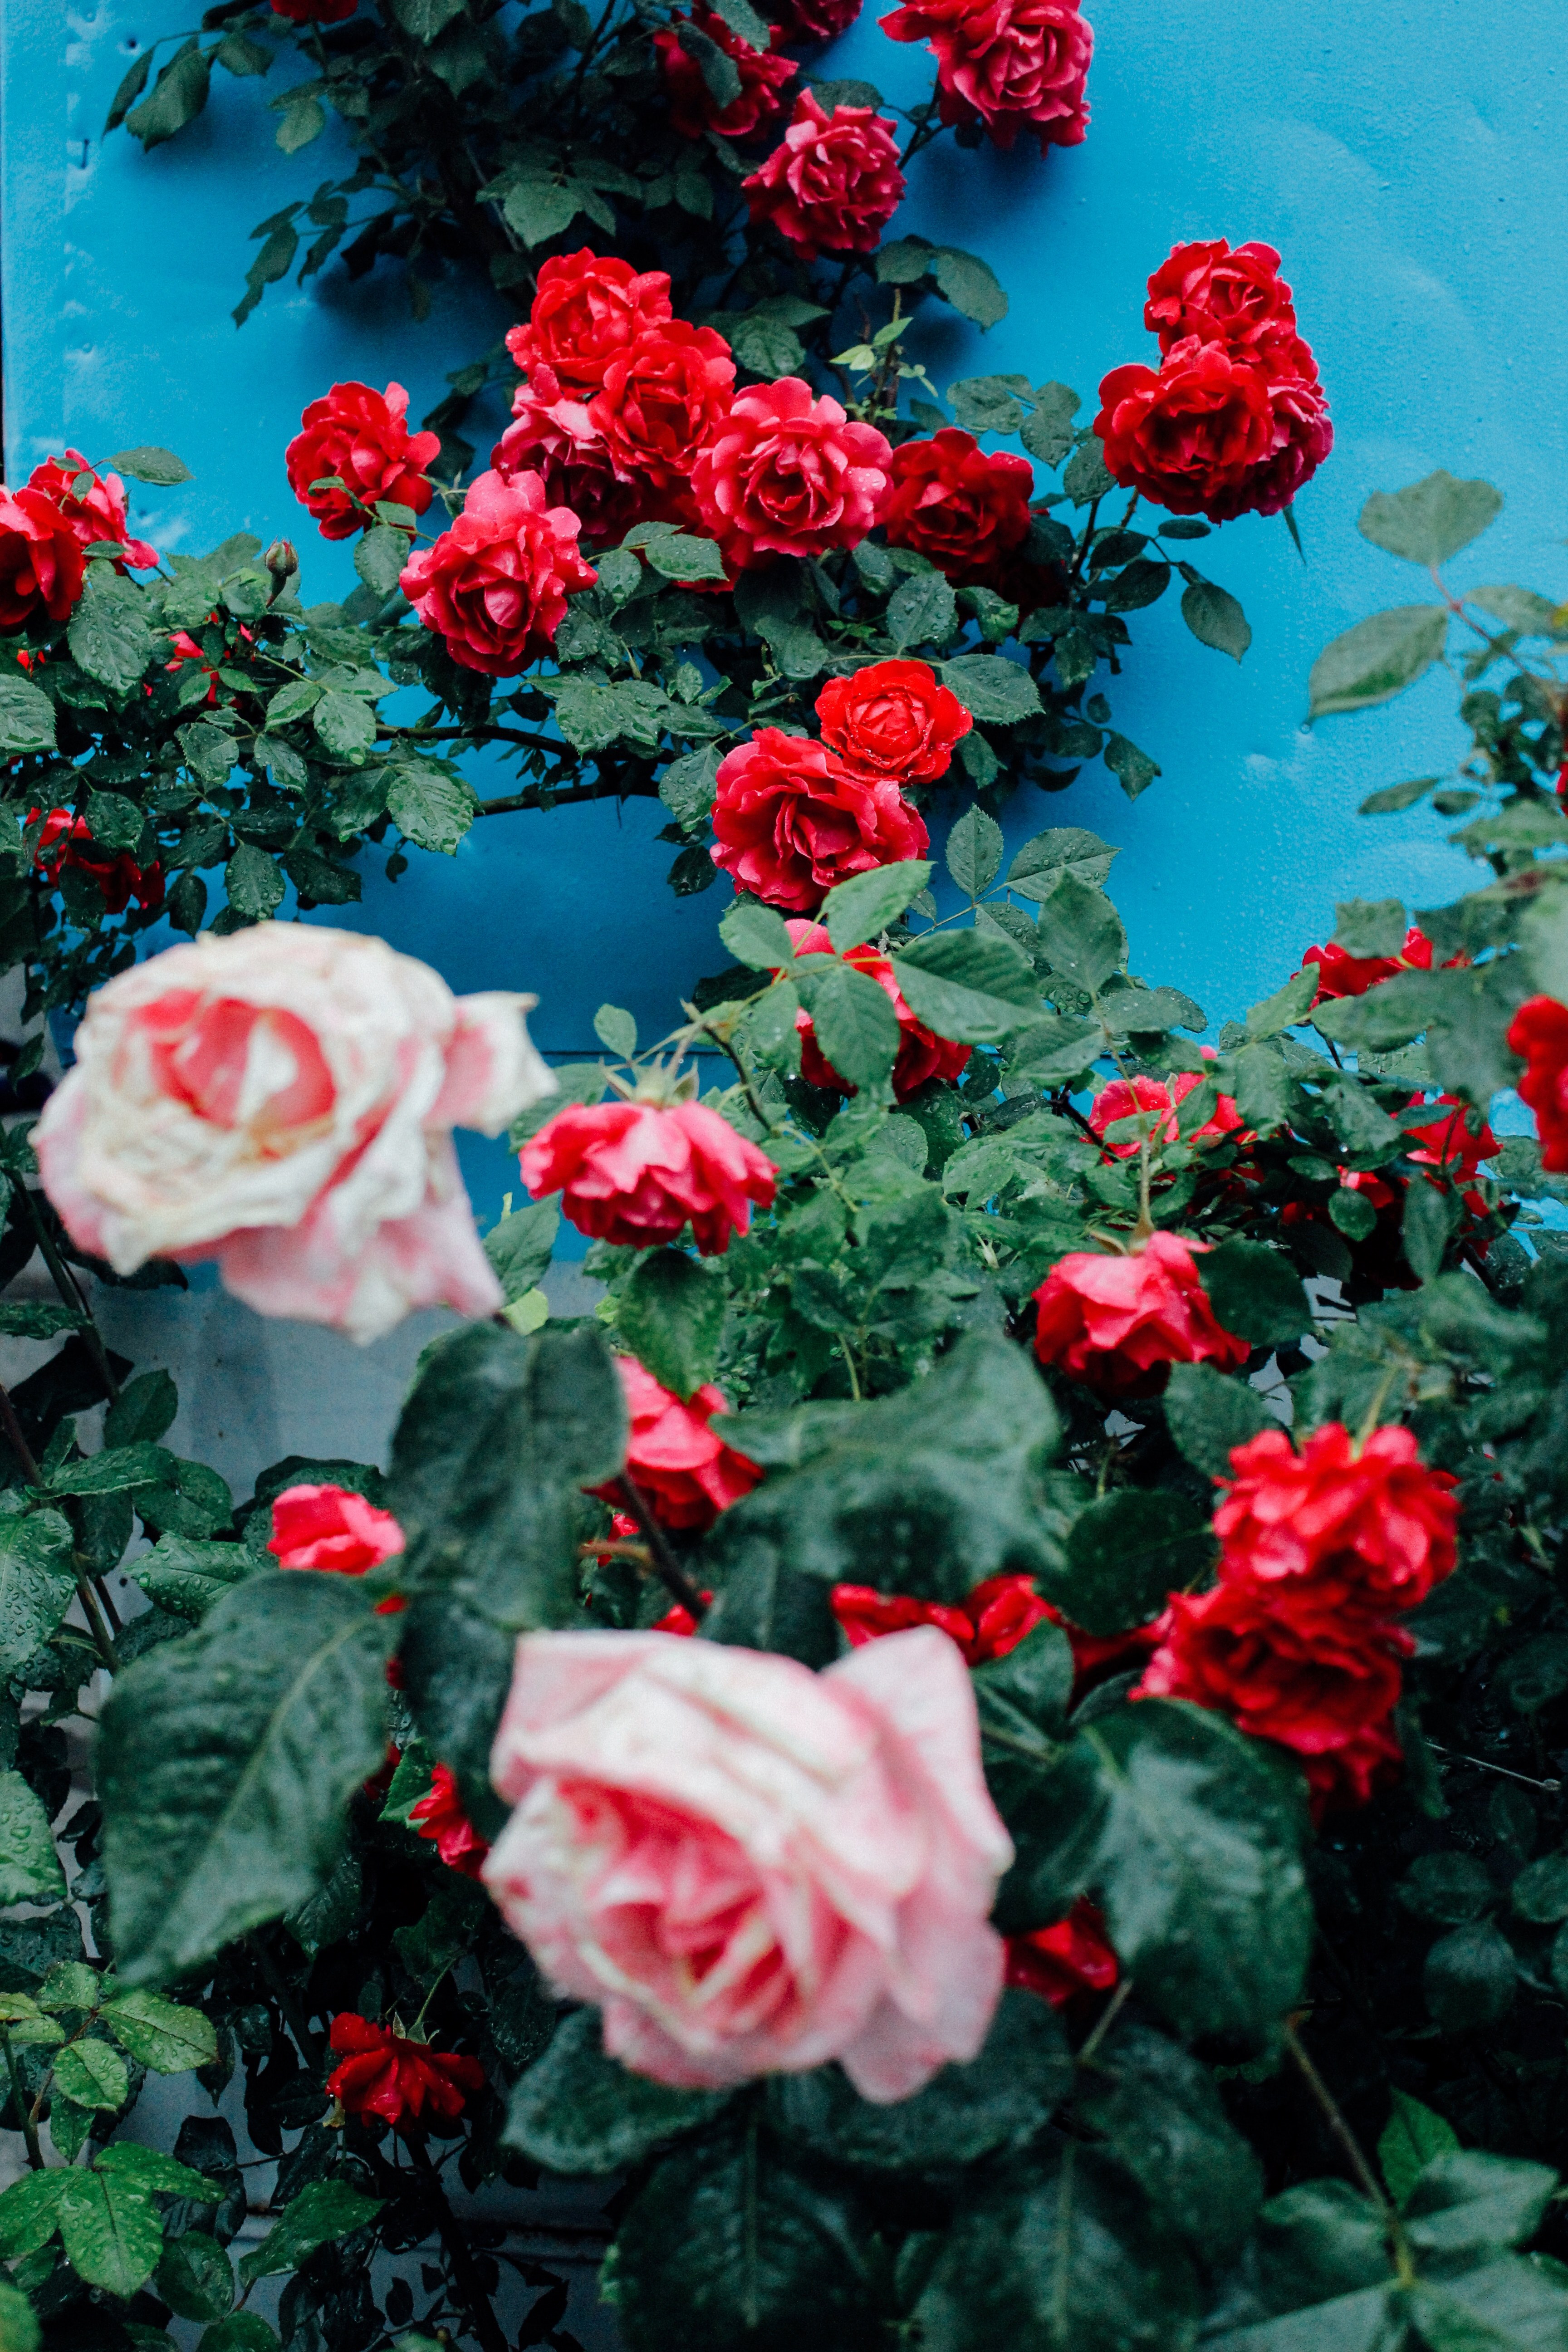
<point x="1223" y="295"/>
<point x="992" y="1620"/>
<point x="332" y="1528"/>
<point x="315" y="12"/>
<point x="692" y="107"/>
<point x="791" y="821"/>
<point x="1190" y="434"/>
<point x="815" y="20"/>
<point x="40" y="560"/>
<point x="1073" y="1957"/>
<point x="686" y="1474"/>
<point x="1011" y="65"/>
<point x="440" y="1817"/>
<point x="1447" y="1141"/>
<point x="948" y="501"/>
<point x="788" y="475"/>
<point x="1318" y="1680"/>
<point x="893" y="719"/>
<point x="679" y="1619"/>
<point x="552" y="435"/>
<point x="634" y="1174"/>
<point x="1340" y="974"/>
<point x="661" y="398"/>
<point x="922" y="1055"/>
<point x="1119" y="1323"/>
<point x="1539" y="1033"/>
<point x="96" y="514"/>
<point x="1303" y="437"/>
<point x="362" y="437"/>
<point x="495" y="585"/>
<point x="834" y="183"/>
<point x="67" y="840"/>
<point x="587" y="307"/>
<point x="1376" y="1521"/>
<point x="1123" y="1098"/>
<point x="382" y="2074"/>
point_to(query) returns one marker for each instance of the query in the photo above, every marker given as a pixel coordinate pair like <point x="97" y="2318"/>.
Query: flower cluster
<point x="47" y="527"/>
<point x="1234" y="420"/>
<point x="1296" y="1640"/>
<point x="1007" y="65"/>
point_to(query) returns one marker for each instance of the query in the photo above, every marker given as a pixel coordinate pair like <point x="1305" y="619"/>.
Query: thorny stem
<point x="18" y="1443"/>
<point x="29" y="2126"/>
<point x="666" y="1567"/>
<point x="1366" y="2178"/>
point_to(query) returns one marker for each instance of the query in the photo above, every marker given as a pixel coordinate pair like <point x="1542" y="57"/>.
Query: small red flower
<point x="440" y="1817"/>
<point x="1539" y="1033"/>
<point x="661" y="399"/>
<point x="679" y="1619"/>
<point x="1373" y="1519"/>
<point x="966" y="511"/>
<point x="892" y="719"/>
<point x="332" y="1528"/>
<point x="96" y="514"/>
<point x="384" y="2075"/>
<point x="833" y="184"/>
<point x="1119" y="1323"/>
<point x="588" y="307"/>
<point x="1124" y="1097"/>
<point x="688" y="1474"/>
<point x="1450" y="1142"/>
<point x="494" y="587"/>
<point x="787" y="475"/>
<point x="40" y="560"/>
<point x="1340" y="974"/>
<point x="67" y="839"/>
<point x="361" y="438"/>
<point x="790" y="819"/>
<point x="994" y="1619"/>
<point x="923" y="1054"/>
<point x="634" y="1174"/>
<point x="1073" y="1957"/>
<point x="1011" y="65"/>
<point x="693" y="109"/>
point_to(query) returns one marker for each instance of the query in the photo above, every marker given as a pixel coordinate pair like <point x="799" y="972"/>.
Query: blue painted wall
<point x="1407" y="160"/>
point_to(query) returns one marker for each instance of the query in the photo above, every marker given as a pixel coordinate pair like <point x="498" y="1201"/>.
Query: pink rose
<point x="281" y="1101"/>
<point x="495" y="585"/>
<point x="834" y="184"/>
<point x="332" y="1528"/>
<point x="752" y="1868"/>
<point x="788" y="475"/>
<point x="791" y="821"/>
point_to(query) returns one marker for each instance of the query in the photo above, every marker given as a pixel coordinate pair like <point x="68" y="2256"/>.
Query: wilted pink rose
<point x="495" y="585"/>
<point x="552" y="435"/>
<point x="752" y="1868"/>
<point x="833" y="184"/>
<point x="281" y="1101"/>
<point x="788" y="475"/>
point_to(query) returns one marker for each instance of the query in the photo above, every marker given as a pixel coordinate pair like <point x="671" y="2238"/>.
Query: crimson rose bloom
<point x="1446" y="1141"/>
<point x="692" y="107"/>
<point x="40" y="558"/>
<point x="495" y="585"/>
<point x="1011" y="65"/>
<point x="815" y="20"/>
<point x="1119" y="1324"/>
<point x="791" y="821"/>
<point x="965" y="511"/>
<point x="1376" y="1521"/>
<point x="1303" y="437"/>
<point x="1192" y="434"/>
<point x="686" y="1474"/>
<point x="635" y="1174"/>
<point x="67" y="839"/>
<point x="893" y="719"/>
<point x="363" y="437"/>
<point x="98" y="513"/>
<point x="1539" y="1032"/>
<point x="440" y="1817"/>
<point x="788" y="475"/>
<point x="1073" y="1957"/>
<point x="922" y="1055"/>
<point x="1123" y="1098"/>
<point x="989" y="1623"/>
<point x="332" y="1528"/>
<point x="1340" y="974"/>
<point x="588" y="307"/>
<point x="661" y="398"/>
<point x="1223" y="295"/>
<point x="834" y="184"/>
<point x="382" y="2074"/>
<point x="552" y="435"/>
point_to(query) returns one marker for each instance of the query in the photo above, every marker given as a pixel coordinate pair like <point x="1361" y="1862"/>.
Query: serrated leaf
<point x="862" y="907"/>
<point x="971" y="986"/>
<point x="110" y="2231"/>
<point x="1377" y="660"/>
<point x="91" y="2075"/>
<point x="178" y="96"/>
<point x="1432" y="519"/>
<point x="318" y="2216"/>
<point x="756" y="937"/>
<point x="299" y="123"/>
<point x="165" y="2035"/>
<point x="974" y="852"/>
<point x="148" y="463"/>
<point x="109" y="635"/>
<point x="1208" y="1414"/>
<point x="253" y="882"/>
<point x="30" y="1868"/>
<point x="1412" y="2136"/>
<point x="670" y="1314"/>
<point x="576" y="2111"/>
<point x="37" y="1580"/>
<point x="857" y="1026"/>
<point x="993" y="689"/>
<point x="379" y="558"/>
<point x="538" y="210"/>
<point x="1080" y="934"/>
<point x="26" y="718"/>
<point x="922" y="610"/>
<point x="430" y="808"/>
<point x="969" y="284"/>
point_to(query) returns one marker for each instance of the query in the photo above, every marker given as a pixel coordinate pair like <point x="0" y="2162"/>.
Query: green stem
<point x="1105" y="2021"/>
<point x="487" y="2327"/>
<point x="73" y="1294"/>
<point x="666" y="1568"/>
<point x="1366" y="2178"/>
<point x="29" y="2127"/>
<point x="309" y="2048"/>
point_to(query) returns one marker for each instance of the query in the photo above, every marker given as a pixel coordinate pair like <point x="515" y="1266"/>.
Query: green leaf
<point x="1370" y="927"/>
<point x="756" y="937"/>
<point x="110" y="636"/>
<point x="30" y="1869"/>
<point x="178" y="96"/>
<point x="1377" y="660"/>
<point x="857" y="1026"/>
<point x="969" y="284"/>
<point x="903" y="262"/>
<point x="1540" y="1893"/>
<point x="1469" y="1977"/>
<point x="968" y="985"/>
<point x="1431" y="520"/>
<point x="425" y="18"/>
<point x="671" y="1314"/>
<point x="1286" y="1008"/>
<point x="131" y="85"/>
<point x="380" y="558"/>
<point x="162" y="2034"/>
<point x="188" y="1579"/>
<point x="1047" y="434"/>
<point x="1509" y="2305"/>
<point x="1125" y="1553"/>
<point x="974" y="852"/>
<point x="1134" y="771"/>
<point x="1412" y="2136"/>
<point x="344" y="723"/>
<point x="227" y="1760"/>
<point x="26" y="718"/>
<point x="147" y="2168"/>
<point x="299" y="123"/>
<point x="92" y="2075"/>
<point x="921" y="610"/>
<point x="1060" y="2256"/>
<point x="70" y="1984"/>
<point x="292" y="701"/>
<point x="148" y="463"/>
<point x="1517" y="608"/>
<point x="862" y="907"/>
<point x="942" y="1485"/>
<point x="243" y="57"/>
<point x="115" y="1470"/>
<point x="430" y="808"/>
<point x="1215" y="618"/>
<point x="1431" y="1220"/>
<point x="993" y="689"/>
<point x="1064" y="849"/>
<point x="1256" y="1293"/>
<point x="1467" y="2202"/>
<point x="989" y="404"/>
<point x="29" y="2213"/>
<point x="520" y="1248"/>
<point x="319" y="2216"/>
<point x="196" y="2278"/>
<point x="683" y="556"/>
<point x="143" y="1411"/>
<point x="110" y="2231"/>
<point x="578" y="2112"/>
<point x="1208" y="1415"/>
<point x="727" y="2244"/>
<point x="1081" y="934"/>
<point x="254" y="885"/>
<point x="1158" y="2111"/>
<point x="243" y="2331"/>
<point x="18" y="2322"/>
<point x="538" y="210"/>
<point x="38" y="1578"/>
